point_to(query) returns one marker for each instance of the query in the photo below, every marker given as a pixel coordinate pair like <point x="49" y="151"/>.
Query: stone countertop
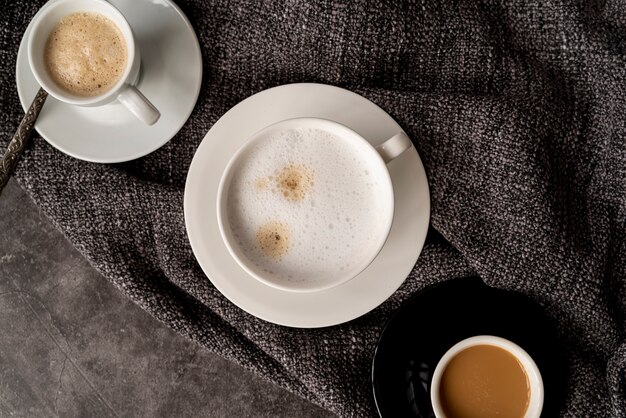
<point x="73" y="345"/>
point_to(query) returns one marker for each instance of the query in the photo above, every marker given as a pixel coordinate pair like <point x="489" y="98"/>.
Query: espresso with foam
<point x="306" y="205"/>
<point x="484" y="381"/>
<point x="86" y="54"/>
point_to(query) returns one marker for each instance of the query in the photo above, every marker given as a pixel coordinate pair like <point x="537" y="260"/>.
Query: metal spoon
<point x="20" y="138"/>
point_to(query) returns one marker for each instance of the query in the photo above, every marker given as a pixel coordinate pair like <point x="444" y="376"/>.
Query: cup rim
<point x="222" y="203"/>
<point x="535" y="402"/>
<point x="56" y="91"/>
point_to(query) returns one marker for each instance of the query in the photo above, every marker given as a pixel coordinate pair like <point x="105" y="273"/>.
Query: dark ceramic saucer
<point x="432" y="321"/>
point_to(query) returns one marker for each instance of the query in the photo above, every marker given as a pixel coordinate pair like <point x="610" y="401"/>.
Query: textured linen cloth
<point x="517" y="110"/>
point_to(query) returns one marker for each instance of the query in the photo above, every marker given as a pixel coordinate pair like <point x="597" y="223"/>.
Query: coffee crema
<point x="295" y="181"/>
<point x="85" y="54"/>
<point x="272" y="239"/>
<point x="302" y="205"/>
<point x="484" y="381"/>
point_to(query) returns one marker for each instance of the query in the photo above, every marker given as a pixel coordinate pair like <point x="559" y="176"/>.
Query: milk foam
<point x="86" y="54"/>
<point x="337" y="223"/>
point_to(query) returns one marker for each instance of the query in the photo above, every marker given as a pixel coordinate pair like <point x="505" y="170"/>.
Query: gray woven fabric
<point x="517" y="111"/>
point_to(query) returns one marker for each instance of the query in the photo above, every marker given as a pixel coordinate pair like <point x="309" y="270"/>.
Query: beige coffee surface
<point x="86" y="54"/>
<point x="484" y="382"/>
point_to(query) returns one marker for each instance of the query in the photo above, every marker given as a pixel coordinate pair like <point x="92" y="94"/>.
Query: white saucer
<point x="336" y="305"/>
<point x="171" y="79"/>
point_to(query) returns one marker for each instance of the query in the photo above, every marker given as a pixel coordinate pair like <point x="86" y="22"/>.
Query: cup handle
<point x="139" y="105"/>
<point x="394" y="146"/>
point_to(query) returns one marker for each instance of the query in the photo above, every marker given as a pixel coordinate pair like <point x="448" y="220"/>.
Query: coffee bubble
<point x="261" y="183"/>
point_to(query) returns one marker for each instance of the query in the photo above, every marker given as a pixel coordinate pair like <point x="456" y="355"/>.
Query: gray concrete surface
<point x="71" y="345"/>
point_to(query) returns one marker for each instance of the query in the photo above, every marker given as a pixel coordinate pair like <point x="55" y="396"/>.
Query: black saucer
<point x="431" y="322"/>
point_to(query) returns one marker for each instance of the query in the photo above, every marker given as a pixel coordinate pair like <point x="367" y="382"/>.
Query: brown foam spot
<point x="261" y="184"/>
<point x="272" y="238"/>
<point x="295" y="181"/>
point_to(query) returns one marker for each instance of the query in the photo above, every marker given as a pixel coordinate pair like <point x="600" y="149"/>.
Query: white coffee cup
<point x="376" y="163"/>
<point x="535" y="382"/>
<point x="124" y="91"/>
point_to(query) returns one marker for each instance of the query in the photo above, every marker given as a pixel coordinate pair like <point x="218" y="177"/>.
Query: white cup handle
<point x="139" y="105"/>
<point x="394" y="146"/>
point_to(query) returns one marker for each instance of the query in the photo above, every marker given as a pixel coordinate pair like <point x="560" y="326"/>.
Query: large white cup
<point x="535" y="404"/>
<point x="124" y="91"/>
<point x="376" y="160"/>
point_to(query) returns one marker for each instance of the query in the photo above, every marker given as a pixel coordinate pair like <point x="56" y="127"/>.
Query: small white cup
<point x="535" y="403"/>
<point x="378" y="158"/>
<point x="124" y="91"/>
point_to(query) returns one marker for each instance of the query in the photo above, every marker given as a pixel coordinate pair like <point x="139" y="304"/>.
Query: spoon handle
<point x="20" y="138"/>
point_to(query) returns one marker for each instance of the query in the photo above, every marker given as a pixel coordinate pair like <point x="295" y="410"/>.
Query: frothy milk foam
<point x="86" y="54"/>
<point x="305" y="205"/>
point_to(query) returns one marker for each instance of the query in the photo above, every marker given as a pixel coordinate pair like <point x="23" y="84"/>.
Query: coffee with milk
<point x="86" y="54"/>
<point x="484" y="381"/>
<point x="305" y="205"/>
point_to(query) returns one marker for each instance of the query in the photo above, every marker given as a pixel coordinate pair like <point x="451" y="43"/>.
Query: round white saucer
<point x="316" y="309"/>
<point x="171" y="78"/>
